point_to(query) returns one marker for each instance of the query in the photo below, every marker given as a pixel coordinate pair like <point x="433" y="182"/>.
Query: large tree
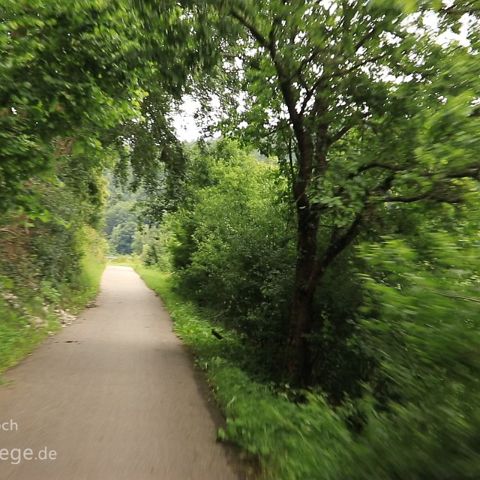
<point x="368" y="106"/>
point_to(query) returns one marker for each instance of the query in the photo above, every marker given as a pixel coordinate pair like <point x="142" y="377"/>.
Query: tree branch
<point x="384" y="166"/>
<point x="339" y="244"/>
<point x="283" y="78"/>
<point x="458" y="297"/>
<point x="404" y="199"/>
<point x="340" y="133"/>
<point x="262" y="40"/>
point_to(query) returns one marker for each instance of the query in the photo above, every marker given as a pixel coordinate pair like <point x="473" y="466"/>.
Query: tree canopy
<point x="330" y="234"/>
<point x="365" y="109"/>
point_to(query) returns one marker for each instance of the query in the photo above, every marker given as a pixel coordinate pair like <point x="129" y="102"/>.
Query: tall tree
<point x="364" y="106"/>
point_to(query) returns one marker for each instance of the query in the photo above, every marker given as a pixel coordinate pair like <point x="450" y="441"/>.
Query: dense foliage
<point x="394" y="350"/>
<point x="74" y="78"/>
<point x="333" y="246"/>
<point x="52" y="263"/>
<point x="363" y="107"/>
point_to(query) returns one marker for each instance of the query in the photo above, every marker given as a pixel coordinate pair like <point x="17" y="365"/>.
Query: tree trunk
<point x="299" y="363"/>
<point x="308" y="273"/>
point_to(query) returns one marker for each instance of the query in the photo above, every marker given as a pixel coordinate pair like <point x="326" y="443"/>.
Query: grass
<point x="88" y="281"/>
<point x="289" y="441"/>
<point x="129" y="260"/>
<point x="20" y="332"/>
<point x="28" y="315"/>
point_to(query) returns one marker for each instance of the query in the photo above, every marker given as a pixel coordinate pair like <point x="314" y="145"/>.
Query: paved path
<point x="114" y="395"/>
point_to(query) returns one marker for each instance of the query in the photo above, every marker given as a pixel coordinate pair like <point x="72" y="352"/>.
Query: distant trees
<point x="122" y="236"/>
<point x="121" y="218"/>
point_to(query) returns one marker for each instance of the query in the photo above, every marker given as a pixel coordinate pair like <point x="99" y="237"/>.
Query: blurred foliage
<point x="341" y="226"/>
<point x="65" y="77"/>
<point x="364" y="104"/>
<point x="395" y="392"/>
<point x="47" y="267"/>
<point x="430" y="432"/>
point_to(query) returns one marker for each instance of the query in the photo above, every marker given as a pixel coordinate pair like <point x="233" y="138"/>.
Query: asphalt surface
<point x="113" y="396"/>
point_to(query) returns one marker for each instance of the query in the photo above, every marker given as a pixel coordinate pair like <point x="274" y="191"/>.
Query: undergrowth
<point x="289" y="440"/>
<point x="31" y="311"/>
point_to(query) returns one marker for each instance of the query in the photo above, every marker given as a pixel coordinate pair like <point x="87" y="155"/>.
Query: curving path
<point x="114" y="395"/>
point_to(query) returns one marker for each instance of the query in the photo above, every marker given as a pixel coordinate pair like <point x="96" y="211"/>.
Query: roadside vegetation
<point x="50" y="267"/>
<point x="395" y="361"/>
<point x="31" y="310"/>
<point x="320" y="256"/>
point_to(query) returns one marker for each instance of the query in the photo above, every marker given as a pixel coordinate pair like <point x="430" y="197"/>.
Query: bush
<point x="429" y="432"/>
<point x="49" y="263"/>
<point x="230" y="248"/>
